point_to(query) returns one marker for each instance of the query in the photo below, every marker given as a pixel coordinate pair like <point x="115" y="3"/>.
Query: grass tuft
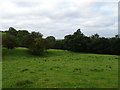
<point x="24" y="82"/>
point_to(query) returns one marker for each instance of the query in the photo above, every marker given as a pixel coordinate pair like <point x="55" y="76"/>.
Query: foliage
<point x="38" y="46"/>
<point x="9" y="41"/>
<point x="12" y="31"/>
<point x="76" y="42"/>
<point x="21" y="36"/>
<point x="35" y="43"/>
<point x="30" y="38"/>
<point x="50" y="40"/>
<point x="59" y="44"/>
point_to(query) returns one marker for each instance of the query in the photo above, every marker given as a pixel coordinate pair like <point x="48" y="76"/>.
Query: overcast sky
<point x="61" y="17"/>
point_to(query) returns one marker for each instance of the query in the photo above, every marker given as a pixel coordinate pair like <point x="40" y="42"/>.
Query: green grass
<point x="59" y="69"/>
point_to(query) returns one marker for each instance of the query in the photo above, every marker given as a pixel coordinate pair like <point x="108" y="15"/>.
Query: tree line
<point x="76" y="42"/>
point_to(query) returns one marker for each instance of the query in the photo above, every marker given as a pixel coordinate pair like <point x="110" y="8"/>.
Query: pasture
<point x="58" y="69"/>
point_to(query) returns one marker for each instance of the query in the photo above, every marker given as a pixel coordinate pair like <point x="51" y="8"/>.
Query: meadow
<point x="58" y="69"/>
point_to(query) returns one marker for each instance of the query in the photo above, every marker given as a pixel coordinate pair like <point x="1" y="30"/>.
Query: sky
<point x="61" y="17"/>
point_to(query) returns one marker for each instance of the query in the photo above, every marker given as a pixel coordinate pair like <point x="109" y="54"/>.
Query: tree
<point x="50" y="42"/>
<point x="12" y="31"/>
<point x="114" y="46"/>
<point x="29" y="39"/>
<point x="68" y="42"/>
<point x="35" y="43"/>
<point x="78" y="32"/>
<point x="37" y="47"/>
<point x="9" y="41"/>
<point x="116" y="36"/>
<point x="59" y="44"/>
<point x="95" y="36"/>
<point x="21" y="36"/>
<point x="75" y="42"/>
<point x="36" y="35"/>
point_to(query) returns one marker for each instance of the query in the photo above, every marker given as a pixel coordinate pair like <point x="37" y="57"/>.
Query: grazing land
<point x="58" y="69"/>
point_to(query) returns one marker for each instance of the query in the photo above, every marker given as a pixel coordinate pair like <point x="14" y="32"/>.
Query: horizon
<point x="64" y="36"/>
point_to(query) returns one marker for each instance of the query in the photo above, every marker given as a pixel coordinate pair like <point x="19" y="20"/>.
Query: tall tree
<point x="12" y="31"/>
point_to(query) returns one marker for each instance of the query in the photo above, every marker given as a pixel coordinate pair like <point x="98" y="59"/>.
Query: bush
<point x="38" y="46"/>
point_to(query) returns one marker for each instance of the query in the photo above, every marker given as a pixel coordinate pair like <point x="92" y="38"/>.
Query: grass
<point x="59" y="69"/>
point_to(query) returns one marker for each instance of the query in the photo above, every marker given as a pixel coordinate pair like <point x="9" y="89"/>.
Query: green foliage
<point x="114" y="45"/>
<point x="36" y="35"/>
<point x="21" y="36"/>
<point x="9" y="41"/>
<point x="50" y="40"/>
<point x="76" y="42"/>
<point x="30" y="38"/>
<point x="59" y="44"/>
<point x="35" y="43"/>
<point x="12" y="31"/>
<point x="38" y="46"/>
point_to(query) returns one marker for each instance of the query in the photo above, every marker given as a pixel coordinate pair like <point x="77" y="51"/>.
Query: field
<point x="59" y="69"/>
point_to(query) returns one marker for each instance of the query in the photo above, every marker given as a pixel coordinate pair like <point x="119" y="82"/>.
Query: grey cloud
<point x="61" y="18"/>
<point x="26" y="4"/>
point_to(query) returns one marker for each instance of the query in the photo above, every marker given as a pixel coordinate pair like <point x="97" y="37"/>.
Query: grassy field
<point x="59" y="69"/>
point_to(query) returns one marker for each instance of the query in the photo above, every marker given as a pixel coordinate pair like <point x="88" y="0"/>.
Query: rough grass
<point x="59" y="69"/>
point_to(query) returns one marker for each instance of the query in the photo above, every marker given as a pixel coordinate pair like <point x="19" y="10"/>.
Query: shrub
<point x="38" y="46"/>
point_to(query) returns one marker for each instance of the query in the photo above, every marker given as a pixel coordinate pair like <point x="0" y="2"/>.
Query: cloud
<point x="60" y="17"/>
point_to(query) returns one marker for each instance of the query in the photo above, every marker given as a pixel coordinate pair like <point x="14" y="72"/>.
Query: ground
<point x="58" y="69"/>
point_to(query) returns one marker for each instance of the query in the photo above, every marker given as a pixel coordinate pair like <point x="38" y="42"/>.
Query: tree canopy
<point x="76" y="42"/>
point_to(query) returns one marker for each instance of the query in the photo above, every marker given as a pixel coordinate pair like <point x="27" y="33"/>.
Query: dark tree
<point x="29" y="39"/>
<point x="35" y="43"/>
<point x="21" y="36"/>
<point x="38" y="46"/>
<point x="9" y="41"/>
<point x="50" y="42"/>
<point x="59" y="44"/>
<point x="75" y="42"/>
<point x="95" y="36"/>
<point x="12" y="31"/>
